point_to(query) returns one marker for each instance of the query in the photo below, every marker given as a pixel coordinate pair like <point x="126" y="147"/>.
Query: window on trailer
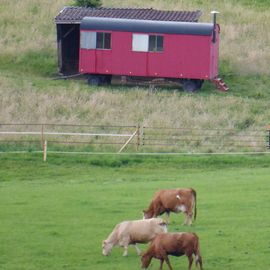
<point x="88" y="40"/>
<point x="95" y="40"/>
<point x="103" y="40"/>
<point x="147" y="43"/>
<point x="155" y="43"/>
<point x="140" y="42"/>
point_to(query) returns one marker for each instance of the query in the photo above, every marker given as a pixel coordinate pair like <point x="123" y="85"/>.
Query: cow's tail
<point x="195" y="202"/>
<point x="198" y="258"/>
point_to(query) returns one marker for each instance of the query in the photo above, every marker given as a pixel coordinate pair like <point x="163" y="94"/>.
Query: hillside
<point x="28" y="64"/>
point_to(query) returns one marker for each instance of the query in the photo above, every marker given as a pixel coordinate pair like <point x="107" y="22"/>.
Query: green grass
<point x="54" y="215"/>
<point x="42" y="63"/>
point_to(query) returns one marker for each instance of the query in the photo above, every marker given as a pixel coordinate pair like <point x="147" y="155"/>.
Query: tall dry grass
<point x="28" y="25"/>
<point x="74" y="104"/>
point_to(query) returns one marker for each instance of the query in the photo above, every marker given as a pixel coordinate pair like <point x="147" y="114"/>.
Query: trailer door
<point x="88" y="52"/>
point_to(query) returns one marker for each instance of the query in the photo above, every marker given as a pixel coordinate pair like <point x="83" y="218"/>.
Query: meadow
<point x="55" y="215"/>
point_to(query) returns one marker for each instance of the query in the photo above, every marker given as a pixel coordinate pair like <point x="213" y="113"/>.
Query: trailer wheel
<point x="94" y="80"/>
<point x="97" y="80"/>
<point x="106" y="79"/>
<point x="190" y="85"/>
<point x="199" y="83"/>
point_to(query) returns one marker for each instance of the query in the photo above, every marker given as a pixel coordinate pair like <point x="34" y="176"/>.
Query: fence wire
<point x="141" y="139"/>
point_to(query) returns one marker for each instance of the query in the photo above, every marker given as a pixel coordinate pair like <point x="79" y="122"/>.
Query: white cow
<point x="132" y="232"/>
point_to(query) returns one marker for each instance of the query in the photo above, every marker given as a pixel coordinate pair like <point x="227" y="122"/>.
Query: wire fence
<point x="206" y="140"/>
<point x="133" y="138"/>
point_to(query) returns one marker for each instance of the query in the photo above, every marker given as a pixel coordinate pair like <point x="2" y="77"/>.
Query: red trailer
<point x="180" y="51"/>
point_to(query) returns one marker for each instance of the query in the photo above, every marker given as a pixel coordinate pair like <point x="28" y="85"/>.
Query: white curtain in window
<point x="88" y="40"/>
<point x="140" y="42"/>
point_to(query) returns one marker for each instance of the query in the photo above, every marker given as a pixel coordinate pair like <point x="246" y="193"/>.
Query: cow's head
<point x="106" y="248"/>
<point x="147" y="214"/>
<point x="164" y="225"/>
<point x="145" y="259"/>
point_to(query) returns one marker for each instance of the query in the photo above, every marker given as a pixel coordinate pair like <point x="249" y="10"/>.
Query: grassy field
<point x="54" y="215"/>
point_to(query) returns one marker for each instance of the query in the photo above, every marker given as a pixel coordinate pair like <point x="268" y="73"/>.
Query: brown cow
<point x="175" y="244"/>
<point x="173" y="200"/>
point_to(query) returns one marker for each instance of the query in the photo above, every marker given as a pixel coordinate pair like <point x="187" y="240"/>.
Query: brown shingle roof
<point x="76" y="14"/>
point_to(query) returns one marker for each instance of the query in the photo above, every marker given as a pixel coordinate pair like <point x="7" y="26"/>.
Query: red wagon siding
<point x="189" y="53"/>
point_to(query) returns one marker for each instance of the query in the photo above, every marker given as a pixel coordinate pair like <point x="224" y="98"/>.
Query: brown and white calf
<point x="175" y="244"/>
<point x="173" y="200"/>
<point x="132" y="232"/>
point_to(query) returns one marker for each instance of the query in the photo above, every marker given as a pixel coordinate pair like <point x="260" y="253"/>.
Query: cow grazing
<point x="132" y="232"/>
<point x="173" y="200"/>
<point x="175" y="244"/>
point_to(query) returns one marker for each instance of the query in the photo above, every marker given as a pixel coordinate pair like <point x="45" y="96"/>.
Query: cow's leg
<point x="137" y="249"/>
<point x="186" y="219"/>
<point x="189" y="207"/>
<point x="168" y="262"/>
<point x="125" y="250"/>
<point x="190" y="219"/>
<point x="124" y="243"/>
<point x="190" y="261"/>
<point x="162" y="255"/>
<point x="161" y="264"/>
<point x="167" y="220"/>
<point x="189" y="215"/>
<point x="198" y="260"/>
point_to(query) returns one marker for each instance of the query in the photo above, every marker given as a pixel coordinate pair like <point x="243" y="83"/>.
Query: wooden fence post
<point x="138" y="137"/>
<point x="42" y="135"/>
<point x="127" y="142"/>
<point x="45" y="151"/>
<point x="268" y="136"/>
<point x="142" y="136"/>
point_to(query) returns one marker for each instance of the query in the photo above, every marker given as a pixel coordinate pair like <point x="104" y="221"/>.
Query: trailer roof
<point x="70" y="15"/>
<point x="146" y="26"/>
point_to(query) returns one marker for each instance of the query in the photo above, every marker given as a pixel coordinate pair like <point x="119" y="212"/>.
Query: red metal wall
<point x="184" y="56"/>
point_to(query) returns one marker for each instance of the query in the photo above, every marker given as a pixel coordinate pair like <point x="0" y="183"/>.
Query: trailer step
<point x="220" y="84"/>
